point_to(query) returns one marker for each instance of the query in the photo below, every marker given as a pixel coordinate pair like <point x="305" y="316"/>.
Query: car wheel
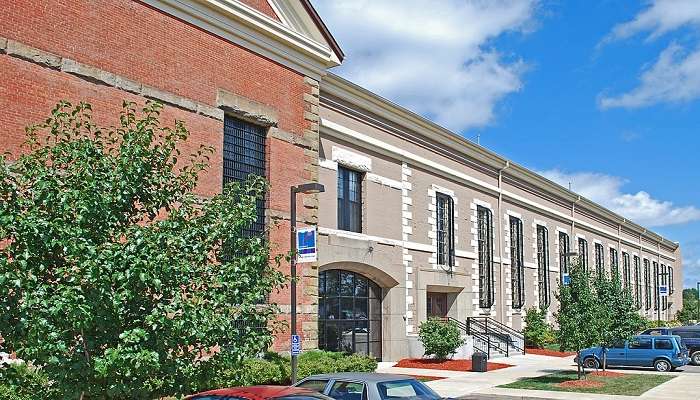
<point x="662" y="365"/>
<point x="695" y="358"/>
<point x="591" y="363"/>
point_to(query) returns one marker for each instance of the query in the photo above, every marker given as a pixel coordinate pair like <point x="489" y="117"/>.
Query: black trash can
<point x="479" y="362"/>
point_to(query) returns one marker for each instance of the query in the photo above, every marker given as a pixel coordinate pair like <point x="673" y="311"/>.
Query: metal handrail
<point x="494" y="339"/>
<point x="503" y="334"/>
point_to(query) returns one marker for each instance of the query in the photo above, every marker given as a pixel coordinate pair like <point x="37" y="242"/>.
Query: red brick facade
<point x="149" y="51"/>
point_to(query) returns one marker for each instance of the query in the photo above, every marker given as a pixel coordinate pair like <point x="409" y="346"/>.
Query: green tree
<point x="690" y="312"/>
<point x="439" y="338"/>
<point x="618" y="318"/>
<point x="578" y="314"/>
<point x="537" y="331"/>
<point x="115" y="278"/>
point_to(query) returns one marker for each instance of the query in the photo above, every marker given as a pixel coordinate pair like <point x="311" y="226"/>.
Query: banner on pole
<point x="306" y="245"/>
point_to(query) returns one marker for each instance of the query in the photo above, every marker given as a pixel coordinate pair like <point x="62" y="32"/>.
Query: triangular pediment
<point x="302" y="18"/>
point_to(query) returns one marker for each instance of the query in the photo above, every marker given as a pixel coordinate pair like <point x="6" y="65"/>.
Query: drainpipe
<point x="499" y="233"/>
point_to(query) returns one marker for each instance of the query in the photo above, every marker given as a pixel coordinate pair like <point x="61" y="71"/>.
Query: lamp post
<point x="306" y="188"/>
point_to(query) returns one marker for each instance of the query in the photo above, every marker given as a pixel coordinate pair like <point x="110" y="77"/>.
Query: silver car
<point x="369" y="386"/>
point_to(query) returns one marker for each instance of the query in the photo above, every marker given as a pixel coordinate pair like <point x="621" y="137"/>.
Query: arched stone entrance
<point x="349" y="313"/>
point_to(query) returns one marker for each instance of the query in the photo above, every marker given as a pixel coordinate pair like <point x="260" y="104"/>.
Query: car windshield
<point x="408" y="389"/>
<point x="681" y="345"/>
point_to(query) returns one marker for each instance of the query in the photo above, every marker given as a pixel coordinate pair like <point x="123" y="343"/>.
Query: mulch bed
<point x="550" y="353"/>
<point x="581" y="384"/>
<point x="446" y="365"/>
<point x="425" y="378"/>
<point x="609" y="374"/>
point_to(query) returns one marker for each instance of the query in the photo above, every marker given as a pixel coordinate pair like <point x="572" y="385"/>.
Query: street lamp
<point x="305" y="188"/>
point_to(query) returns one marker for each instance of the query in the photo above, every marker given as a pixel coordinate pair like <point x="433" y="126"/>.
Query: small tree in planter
<point x="439" y="338"/>
<point x="578" y="313"/>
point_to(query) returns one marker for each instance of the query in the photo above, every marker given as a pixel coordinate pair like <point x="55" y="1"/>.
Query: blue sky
<point x="603" y="94"/>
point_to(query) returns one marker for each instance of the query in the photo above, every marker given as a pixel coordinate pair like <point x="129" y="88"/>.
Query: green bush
<point x="439" y="338"/>
<point x="22" y="382"/>
<point x="537" y="332"/>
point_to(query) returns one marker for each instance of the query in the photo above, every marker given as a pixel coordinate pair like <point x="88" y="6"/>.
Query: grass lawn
<point x="627" y="384"/>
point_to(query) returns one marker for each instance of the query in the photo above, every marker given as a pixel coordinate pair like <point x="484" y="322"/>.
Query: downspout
<point x="499" y="233"/>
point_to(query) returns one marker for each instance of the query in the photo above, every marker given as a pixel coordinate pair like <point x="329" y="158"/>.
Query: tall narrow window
<point x="637" y="283"/>
<point x="626" y="271"/>
<point x="647" y="285"/>
<point x="614" y="265"/>
<point x="485" y="242"/>
<point x="670" y="280"/>
<point x="599" y="260"/>
<point x="583" y="253"/>
<point x="656" y="286"/>
<point x="517" y="271"/>
<point x="543" y="266"/>
<point x="445" y="230"/>
<point x="564" y="248"/>
<point x="349" y="200"/>
<point x="664" y="281"/>
<point x="244" y="155"/>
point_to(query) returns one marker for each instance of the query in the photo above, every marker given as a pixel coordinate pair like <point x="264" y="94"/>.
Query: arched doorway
<point x="349" y="313"/>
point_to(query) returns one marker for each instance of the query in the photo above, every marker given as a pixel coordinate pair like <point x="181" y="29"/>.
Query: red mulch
<point x="426" y="378"/>
<point x="449" y="365"/>
<point x="609" y="374"/>
<point x="580" y="384"/>
<point x="551" y="353"/>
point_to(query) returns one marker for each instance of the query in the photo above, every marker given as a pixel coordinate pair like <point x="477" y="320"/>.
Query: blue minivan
<point x="663" y="352"/>
<point x="690" y="336"/>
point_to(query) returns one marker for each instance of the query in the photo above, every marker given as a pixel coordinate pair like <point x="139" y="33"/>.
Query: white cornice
<point x="248" y="27"/>
<point x="363" y="99"/>
<point x="334" y="129"/>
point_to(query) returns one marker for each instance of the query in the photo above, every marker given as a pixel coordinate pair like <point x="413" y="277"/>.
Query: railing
<point x="496" y="335"/>
<point x="482" y="342"/>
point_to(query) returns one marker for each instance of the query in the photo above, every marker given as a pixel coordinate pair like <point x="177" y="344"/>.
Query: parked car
<point x="260" y="393"/>
<point x="690" y="335"/>
<point x="663" y="352"/>
<point x="369" y="386"/>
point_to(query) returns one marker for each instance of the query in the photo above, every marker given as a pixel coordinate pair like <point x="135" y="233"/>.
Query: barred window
<point x="517" y="271"/>
<point x="599" y="260"/>
<point x="543" y="266"/>
<point x="670" y="280"/>
<point x="244" y="155"/>
<point x="664" y="281"/>
<point x="614" y="265"/>
<point x="445" y="230"/>
<point x="637" y="283"/>
<point x="485" y="242"/>
<point x="349" y="200"/>
<point x="583" y="253"/>
<point x="564" y="248"/>
<point x="647" y="285"/>
<point x="656" y="286"/>
<point x="626" y="272"/>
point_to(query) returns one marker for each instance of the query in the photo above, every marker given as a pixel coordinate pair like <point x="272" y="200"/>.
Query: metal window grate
<point x="583" y="253"/>
<point x="614" y="265"/>
<point x="485" y="246"/>
<point x="656" y="286"/>
<point x="647" y="286"/>
<point x="637" y="283"/>
<point x="244" y="155"/>
<point x="543" y="266"/>
<point x="599" y="260"/>
<point x="626" y="272"/>
<point x="445" y="230"/>
<point x="349" y="200"/>
<point x="564" y="247"/>
<point x="517" y="270"/>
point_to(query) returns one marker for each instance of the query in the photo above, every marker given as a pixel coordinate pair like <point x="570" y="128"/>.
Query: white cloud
<point x="432" y="58"/>
<point x="662" y="16"/>
<point x="675" y="76"/>
<point x="639" y="207"/>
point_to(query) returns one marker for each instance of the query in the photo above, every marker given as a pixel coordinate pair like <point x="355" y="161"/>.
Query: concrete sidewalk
<point x="477" y="386"/>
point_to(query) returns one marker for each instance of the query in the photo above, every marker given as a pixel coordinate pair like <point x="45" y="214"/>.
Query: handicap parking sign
<point x="296" y="345"/>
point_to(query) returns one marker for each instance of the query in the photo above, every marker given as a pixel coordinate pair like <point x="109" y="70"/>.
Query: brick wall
<point x="107" y="51"/>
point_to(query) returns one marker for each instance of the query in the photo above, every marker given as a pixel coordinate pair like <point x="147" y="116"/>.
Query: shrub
<point x="254" y="371"/>
<point x="23" y="382"/>
<point x="439" y="338"/>
<point x="537" y="331"/>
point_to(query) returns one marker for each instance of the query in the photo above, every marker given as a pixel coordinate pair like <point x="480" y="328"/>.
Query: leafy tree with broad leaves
<point x="618" y="318"/>
<point x="690" y="312"/>
<point x="537" y="331"/>
<point x="578" y="315"/>
<point x="115" y="277"/>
